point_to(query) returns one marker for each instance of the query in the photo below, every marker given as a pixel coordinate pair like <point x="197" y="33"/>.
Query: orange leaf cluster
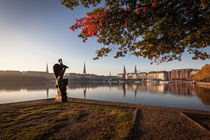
<point x="93" y="22"/>
<point x="203" y="74"/>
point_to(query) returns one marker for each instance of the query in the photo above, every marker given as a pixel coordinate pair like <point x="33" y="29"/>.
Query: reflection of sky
<point x="114" y="94"/>
<point x="157" y="99"/>
<point x="35" y="32"/>
<point x="25" y="95"/>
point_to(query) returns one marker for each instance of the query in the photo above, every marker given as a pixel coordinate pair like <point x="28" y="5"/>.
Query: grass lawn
<point x="66" y="121"/>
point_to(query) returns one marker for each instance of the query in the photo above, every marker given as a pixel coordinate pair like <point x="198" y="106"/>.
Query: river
<point x="185" y="96"/>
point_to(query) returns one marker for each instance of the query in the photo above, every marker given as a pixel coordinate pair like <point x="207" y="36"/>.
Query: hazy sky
<point x="36" y="32"/>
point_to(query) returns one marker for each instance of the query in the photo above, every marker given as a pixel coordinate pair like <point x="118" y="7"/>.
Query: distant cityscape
<point x="176" y="74"/>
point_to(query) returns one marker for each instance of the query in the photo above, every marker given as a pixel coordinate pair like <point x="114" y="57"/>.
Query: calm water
<point x="171" y="95"/>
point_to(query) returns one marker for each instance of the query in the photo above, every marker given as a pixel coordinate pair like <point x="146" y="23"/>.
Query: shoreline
<point x="20" y="104"/>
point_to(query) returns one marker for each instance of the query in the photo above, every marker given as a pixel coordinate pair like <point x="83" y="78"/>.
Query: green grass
<point x="62" y="120"/>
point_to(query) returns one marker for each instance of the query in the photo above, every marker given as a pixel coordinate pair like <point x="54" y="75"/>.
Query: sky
<point x="34" y="33"/>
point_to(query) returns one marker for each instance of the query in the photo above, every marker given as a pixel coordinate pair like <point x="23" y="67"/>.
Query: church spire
<point x="124" y="70"/>
<point x="135" y="70"/>
<point x="84" y="70"/>
<point x="47" y="70"/>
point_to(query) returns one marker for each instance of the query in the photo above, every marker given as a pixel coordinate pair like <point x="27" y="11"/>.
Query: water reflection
<point x="147" y="93"/>
<point x="84" y="92"/>
<point x="47" y="90"/>
<point x="14" y="86"/>
<point x="203" y="94"/>
<point x="176" y="89"/>
<point x="170" y="89"/>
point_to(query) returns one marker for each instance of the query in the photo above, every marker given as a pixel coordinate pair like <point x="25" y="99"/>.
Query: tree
<point x="203" y="74"/>
<point x="160" y="30"/>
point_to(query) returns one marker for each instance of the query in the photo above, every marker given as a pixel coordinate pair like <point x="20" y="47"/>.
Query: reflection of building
<point x="124" y="90"/>
<point x="160" y="88"/>
<point x="176" y="89"/>
<point x="180" y="89"/>
<point x="84" y="92"/>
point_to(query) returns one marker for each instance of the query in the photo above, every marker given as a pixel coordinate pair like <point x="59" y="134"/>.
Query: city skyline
<point x="34" y="33"/>
<point x="83" y="71"/>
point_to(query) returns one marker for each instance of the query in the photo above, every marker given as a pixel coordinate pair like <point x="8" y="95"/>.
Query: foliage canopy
<point x="203" y="74"/>
<point x="160" y="30"/>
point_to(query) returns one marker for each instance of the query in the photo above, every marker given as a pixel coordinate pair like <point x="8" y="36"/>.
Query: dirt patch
<point x="66" y="121"/>
<point x="166" y="124"/>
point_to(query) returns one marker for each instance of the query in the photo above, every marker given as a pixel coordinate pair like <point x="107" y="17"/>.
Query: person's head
<point x="60" y="61"/>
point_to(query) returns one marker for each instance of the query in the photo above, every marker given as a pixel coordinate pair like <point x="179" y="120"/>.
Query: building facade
<point x="158" y="75"/>
<point x="182" y="74"/>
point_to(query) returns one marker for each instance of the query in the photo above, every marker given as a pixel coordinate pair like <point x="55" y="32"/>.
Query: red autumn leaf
<point x="154" y="4"/>
<point x="138" y="11"/>
<point x="71" y="28"/>
<point x="144" y="9"/>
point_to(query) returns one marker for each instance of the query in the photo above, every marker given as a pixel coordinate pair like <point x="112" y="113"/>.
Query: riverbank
<point x="203" y="84"/>
<point x="151" y="122"/>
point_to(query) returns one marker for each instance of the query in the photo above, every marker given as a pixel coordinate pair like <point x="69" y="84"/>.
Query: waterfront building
<point x="182" y="74"/>
<point x="131" y="76"/>
<point x="122" y="75"/>
<point x="10" y="75"/>
<point x="88" y="77"/>
<point x="29" y="75"/>
<point x="142" y="75"/>
<point x="157" y="75"/>
<point x="36" y="74"/>
<point x="194" y="71"/>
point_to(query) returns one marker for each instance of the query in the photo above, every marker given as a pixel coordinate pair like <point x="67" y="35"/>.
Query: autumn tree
<point x="203" y="74"/>
<point x="160" y="30"/>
